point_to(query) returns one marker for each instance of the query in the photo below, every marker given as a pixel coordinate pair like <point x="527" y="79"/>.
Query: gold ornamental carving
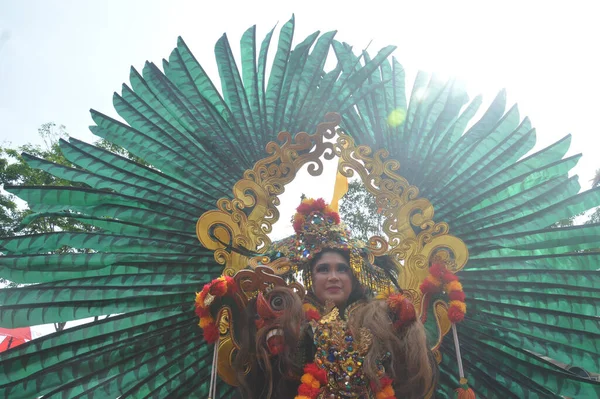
<point x="411" y="236"/>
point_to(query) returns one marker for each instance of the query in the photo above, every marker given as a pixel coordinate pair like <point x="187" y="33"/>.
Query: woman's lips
<point x="334" y="289"/>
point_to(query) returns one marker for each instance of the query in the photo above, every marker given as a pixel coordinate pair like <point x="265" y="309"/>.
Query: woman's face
<point x="332" y="278"/>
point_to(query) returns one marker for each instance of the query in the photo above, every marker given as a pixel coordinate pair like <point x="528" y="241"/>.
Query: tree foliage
<point x="14" y="170"/>
<point x="359" y="211"/>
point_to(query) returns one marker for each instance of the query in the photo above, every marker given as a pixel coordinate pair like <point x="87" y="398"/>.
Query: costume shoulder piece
<point x="509" y="303"/>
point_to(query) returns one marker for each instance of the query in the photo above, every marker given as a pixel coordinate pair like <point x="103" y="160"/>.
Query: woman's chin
<point x="338" y="300"/>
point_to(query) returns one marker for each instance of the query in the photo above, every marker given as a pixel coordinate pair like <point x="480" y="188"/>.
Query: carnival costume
<point x="532" y="291"/>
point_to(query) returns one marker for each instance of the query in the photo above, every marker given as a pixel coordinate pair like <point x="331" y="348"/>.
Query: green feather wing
<point x="142" y="263"/>
<point x="533" y="292"/>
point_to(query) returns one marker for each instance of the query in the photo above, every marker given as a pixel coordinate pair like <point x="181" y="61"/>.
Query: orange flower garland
<point x="215" y="289"/>
<point x="314" y="378"/>
<point x="439" y="277"/>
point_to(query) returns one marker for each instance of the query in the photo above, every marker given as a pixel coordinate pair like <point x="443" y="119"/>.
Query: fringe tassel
<point x="462" y="392"/>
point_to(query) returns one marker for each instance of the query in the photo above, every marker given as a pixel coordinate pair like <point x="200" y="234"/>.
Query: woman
<point x="349" y="343"/>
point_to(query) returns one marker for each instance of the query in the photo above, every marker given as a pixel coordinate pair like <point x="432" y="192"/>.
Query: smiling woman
<point x="332" y="278"/>
<point x="349" y="340"/>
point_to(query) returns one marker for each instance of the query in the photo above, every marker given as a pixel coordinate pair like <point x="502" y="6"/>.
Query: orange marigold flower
<point x="461" y="305"/>
<point x="454" y="286"/>
<point x="388" y="390"/>
<point x="308" y="379"/>
<point x="433" y="280"/>
<point x="205" y="321"/>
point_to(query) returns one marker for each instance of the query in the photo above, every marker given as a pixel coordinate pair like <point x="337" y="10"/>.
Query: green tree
<point x="595" y="216"/>
<point x="358" y="210"/>
<point x="112" y="147"/>
<point x="14" y="170"/>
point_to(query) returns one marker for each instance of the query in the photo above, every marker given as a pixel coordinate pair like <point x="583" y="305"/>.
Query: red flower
<point x="319" y="204"/>
<point x="447" y="277"/>
<point x="315" y="371"/>
<point x="456" y="296"/>
<point x="202" y="295"/>
<point x="298" y="222"/>
<point x="231" y="285"/>
<point x="218" y="287"/>
<point x="335" y="216"/>
<point x="428" y="286"/>
<point x="307" y="390"/>
<point x="312" y="314"/>
<point x="437" y="270"/>
<point x="455" y="314"/>
<point x="211" y="333"/>
<point x="202" y="312"/>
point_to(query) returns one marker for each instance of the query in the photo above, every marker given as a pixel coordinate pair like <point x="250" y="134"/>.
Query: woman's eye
<point x="343" y="268"/>
<point x="322" y="269"/>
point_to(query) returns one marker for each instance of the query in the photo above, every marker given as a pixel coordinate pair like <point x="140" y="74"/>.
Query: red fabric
<point x="14" y="337"/>
<point x="10" y="342"/>
<point x="21" y="333"/>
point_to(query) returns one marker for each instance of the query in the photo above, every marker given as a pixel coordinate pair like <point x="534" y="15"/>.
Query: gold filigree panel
<point x="412" y="237"/>
<point x="245" y="220"/>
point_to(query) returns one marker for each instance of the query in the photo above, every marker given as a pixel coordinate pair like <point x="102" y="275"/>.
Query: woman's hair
<point x="266" y="371"/>
<point x="411" y="365"/>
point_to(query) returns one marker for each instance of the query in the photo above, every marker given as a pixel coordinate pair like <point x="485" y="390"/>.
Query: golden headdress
<point x="317" y="228"/>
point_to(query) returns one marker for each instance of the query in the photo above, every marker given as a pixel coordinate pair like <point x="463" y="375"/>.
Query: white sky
<point x="60" y="58"/>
